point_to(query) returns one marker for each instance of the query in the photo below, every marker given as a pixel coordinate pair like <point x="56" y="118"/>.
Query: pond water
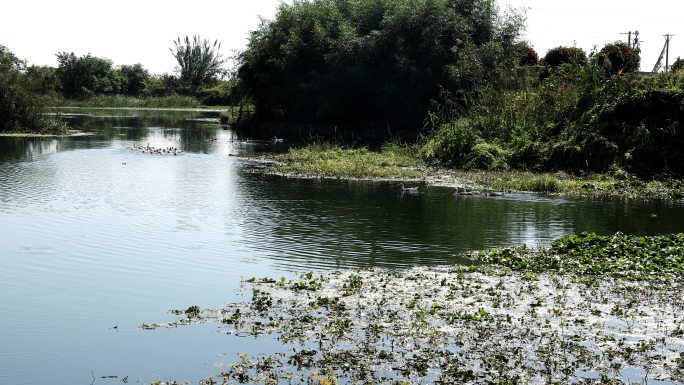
<point x="96" y="238"/>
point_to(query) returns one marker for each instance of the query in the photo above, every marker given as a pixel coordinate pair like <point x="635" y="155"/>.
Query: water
<point x="96" y="239"/>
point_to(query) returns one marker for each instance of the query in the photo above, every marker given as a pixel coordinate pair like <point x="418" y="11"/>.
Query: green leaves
<point x="658" y="258"/>
<point x="199" y="61"/>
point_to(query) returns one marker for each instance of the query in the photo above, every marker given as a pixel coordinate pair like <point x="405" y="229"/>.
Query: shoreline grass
<point x="330" y="161"/>
<point x="395" y="162"/>
<point x="120" y="101"/>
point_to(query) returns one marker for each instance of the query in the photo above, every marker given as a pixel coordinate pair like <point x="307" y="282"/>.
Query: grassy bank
<point x="394" y="162"/>
<point x="120" y="101"/>
<point x="497" y="323"/>
<point x="331" y="161"/>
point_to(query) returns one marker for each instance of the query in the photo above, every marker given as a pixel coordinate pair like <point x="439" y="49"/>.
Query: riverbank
<point x="584" y="319"/>
<point x="41" y="135"/>
<point x="403" y="163"/>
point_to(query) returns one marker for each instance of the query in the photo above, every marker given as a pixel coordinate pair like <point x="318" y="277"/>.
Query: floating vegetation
<point x="469" y="324"/>
<point x="654" y="258"/>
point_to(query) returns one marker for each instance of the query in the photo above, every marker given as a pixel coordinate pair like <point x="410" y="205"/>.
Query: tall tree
<point x="372" y="61"/>
<point x="199" y="61"/>
<point x="87" y="75"/>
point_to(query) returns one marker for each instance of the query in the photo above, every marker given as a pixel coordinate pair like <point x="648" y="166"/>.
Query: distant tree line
<point x="199" y="74"/>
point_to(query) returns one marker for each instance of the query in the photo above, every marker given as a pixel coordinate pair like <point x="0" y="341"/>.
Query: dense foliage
<point x="89" y="78"/>
<point x="20" y="109"/>
<point x="372" y="61"/>
<point x="86" y="76"/>
<point x="562" y="55"/>
<point x="575" y="117"/>
<point x="617" y="58"/>
<point x="199" y="61"/>
<point x="638" y="257"/>
<point x="678" y="65"/>
<point x="528" y="56"/>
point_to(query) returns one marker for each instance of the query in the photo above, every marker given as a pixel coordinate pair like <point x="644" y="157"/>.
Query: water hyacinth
<point x="462" y="324"/>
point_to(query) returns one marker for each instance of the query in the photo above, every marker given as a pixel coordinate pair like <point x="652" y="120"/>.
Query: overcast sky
<point x="132" y="31"/>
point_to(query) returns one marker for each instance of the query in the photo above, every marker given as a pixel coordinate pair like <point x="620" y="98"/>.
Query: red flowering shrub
<point x="528" y="56"/>
<point x="560" y="55"/>
<point x="618" y="58"/>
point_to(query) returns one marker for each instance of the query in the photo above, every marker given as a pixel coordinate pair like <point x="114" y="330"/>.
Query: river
<point x="96" y="238"/>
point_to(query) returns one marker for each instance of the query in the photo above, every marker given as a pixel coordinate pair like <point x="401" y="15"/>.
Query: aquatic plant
<point x="653" y="258"/>
<point x="459" y="324"/>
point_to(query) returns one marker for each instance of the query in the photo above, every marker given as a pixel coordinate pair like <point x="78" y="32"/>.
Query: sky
<point x="141" y="31"/>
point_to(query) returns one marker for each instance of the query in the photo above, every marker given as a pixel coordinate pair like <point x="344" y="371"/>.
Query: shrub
<point x="20" y="109"/>
<point x="678" y="65"/>
<point x="487" y="156"/>
<point x="528" y="56"/>
<point x="220" y="94"/>
<point x="562" y="55"/>
<point x="451" y="143"/>
<point x="618" y="58"/>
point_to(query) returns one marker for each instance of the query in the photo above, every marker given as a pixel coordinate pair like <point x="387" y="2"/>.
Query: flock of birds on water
<point x="414" y="191"/>
<point x="158" y="150"/>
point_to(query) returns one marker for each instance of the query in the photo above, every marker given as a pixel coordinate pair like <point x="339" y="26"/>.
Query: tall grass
<point x="121" y="101"/>
<point x="333" y="161"/>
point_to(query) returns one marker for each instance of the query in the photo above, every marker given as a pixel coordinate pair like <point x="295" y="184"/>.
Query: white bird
<point x="410" y="190"/>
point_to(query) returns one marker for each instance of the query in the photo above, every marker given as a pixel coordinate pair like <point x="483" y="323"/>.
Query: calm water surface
<point x="94" y="235"/>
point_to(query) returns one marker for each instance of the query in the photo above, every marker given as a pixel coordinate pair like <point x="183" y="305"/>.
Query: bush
<point x="451" y="143"/>
<point x="221" y="94"/>
<point x="562" y="55"/>
<point x="678" y="65"/>
<point x="528" y="56"/>
<point x="487" y="156"/>
<point x="618" y="58"/>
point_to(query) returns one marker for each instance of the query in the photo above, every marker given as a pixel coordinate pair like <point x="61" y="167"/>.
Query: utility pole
<point x="664" y="53"/>
<point x="629" y="38"/>
<point x="667" y="51"/>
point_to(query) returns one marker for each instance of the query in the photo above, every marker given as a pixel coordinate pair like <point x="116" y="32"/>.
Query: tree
<point x="9" y="61"/>
<point x="136" y="79"/>
<point x="199" y="62"/>
<point x="374" y="62"/>
<point x="42" y="79"/>
<point x="87" y="76"/>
